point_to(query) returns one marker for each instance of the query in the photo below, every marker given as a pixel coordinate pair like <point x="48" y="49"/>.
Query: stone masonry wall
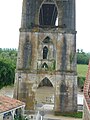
<point x="47" y="53"/>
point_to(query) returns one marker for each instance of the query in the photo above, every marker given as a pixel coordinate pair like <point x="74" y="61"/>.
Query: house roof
<point x="7" y="103"/>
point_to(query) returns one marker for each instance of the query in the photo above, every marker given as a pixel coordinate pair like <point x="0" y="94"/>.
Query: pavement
<point x="52" y="117"/>
<point x="47" y="111"/>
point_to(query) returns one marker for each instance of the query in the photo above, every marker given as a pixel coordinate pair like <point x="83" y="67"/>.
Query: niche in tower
<point x="45" y="66"/>
<point x="48" y="48"/>
<point x="45" y="52"/>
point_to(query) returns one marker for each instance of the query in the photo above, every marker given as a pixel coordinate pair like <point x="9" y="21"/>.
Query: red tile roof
<point x="7" y="103"/>
<point x="87" y="87"/>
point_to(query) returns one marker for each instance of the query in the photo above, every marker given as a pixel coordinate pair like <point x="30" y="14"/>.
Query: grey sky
<point x="10" y="20"/>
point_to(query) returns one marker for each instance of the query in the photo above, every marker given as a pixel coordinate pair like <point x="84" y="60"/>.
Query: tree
<point x="7" y="66"/>
<point x="82" y="57"/>
<point x="7" y="71"/>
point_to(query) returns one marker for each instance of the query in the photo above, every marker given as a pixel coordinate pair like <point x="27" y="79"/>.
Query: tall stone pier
<point x="46" y="62"/>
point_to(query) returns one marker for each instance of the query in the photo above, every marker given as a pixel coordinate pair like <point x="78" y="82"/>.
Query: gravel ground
<point x="8" y="91"/>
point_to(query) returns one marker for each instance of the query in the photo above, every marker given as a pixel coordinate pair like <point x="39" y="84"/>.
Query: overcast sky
<point x="10" y="20"/>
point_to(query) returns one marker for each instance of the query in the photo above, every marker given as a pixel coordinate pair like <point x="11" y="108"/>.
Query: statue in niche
<point x="27" y="53"/>
<point x="45" y="52"/>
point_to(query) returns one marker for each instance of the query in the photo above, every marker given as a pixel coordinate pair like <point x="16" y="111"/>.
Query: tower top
<point x="46" y="13"/>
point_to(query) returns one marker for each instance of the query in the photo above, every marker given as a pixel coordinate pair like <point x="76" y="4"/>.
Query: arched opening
<point x="46" y="40"/>
<point x="45" y="93"/>
<point x="44" y="65"/>
<point x="45" y="82"/>
<point x="45" y="52"/>
<point x="48" y="14"/>
<point x="48" y="48"/>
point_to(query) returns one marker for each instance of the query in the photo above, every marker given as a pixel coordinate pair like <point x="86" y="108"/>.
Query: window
<point x="48" y="14"/>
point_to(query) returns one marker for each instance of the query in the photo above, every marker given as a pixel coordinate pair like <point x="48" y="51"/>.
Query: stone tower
<point x="46" y="63"/>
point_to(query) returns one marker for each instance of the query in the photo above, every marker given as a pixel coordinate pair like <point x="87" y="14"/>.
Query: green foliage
<point x="81" y="81"/>
<point x="82" y="57"/>
<point x="52" y="66"/>
<point x="8" y="59"/>
<point x="7" y="66"/>
<point x="74" y="114"/>
<point x="82" y="70"/>
<point x="20" y="118"/>
<point x="8" y="55"/>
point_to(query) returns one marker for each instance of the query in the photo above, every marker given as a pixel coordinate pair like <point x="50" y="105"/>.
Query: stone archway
<point x="48" y="13"/>
<point x="45" y="92"/>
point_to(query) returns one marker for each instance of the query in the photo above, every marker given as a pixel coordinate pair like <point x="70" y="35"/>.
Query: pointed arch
<point x="46" y="40"/>
<point x="48" y="13"/>
<point x="44" y="65"/>
<point x="45" y="82"/>
<point x="45" y="52"/>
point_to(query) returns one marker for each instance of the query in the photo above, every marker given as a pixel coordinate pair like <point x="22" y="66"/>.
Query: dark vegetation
<point x="20" y="118"/>
<point x="82" y="57"/>
<point x="81" y="70"/>
<point x="7" y="66"/>
<point x="8" y="59"/>
<point x="75" y="114"/>
<point x="82" y="66"/>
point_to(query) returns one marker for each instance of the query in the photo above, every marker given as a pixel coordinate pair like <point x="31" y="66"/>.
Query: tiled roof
<point x="87" y="87"/>
<point x="7" y="103"/>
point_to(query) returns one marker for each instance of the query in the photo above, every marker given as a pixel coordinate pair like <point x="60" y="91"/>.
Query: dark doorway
<point x="45" y="82"/>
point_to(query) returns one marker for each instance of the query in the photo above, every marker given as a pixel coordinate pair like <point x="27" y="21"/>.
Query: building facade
<point x="46" y="63"/>
<point x="11" y="108"/>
